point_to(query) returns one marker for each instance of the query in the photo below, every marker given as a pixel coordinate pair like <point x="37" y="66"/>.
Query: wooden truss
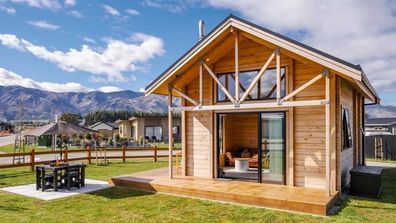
<point x="238" y="102"/>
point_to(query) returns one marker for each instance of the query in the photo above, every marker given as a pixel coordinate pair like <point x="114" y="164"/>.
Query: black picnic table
<point x="58" y="173"/>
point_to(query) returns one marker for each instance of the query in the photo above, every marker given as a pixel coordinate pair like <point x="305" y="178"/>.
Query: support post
<point x="32" y="160"/>
<point x="170" y="135"/>
<point x="123" y="153"/>
<point x="89" y="154"/>
<point x="328" y="132"/>
<point x="200" y="83"/>
<point x="237" y="67"/>
<point x="66" y="156"/>
<point x="155" y="153"/>
<point x="278" y="77"/>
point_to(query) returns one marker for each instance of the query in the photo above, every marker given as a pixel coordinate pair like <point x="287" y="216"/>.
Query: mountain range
<point x="39" y="104"/>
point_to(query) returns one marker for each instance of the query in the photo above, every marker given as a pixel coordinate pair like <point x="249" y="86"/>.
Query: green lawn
<point x="121" y="204"/>
<point x="382" y="161"/>
<point x="165" y="145"/>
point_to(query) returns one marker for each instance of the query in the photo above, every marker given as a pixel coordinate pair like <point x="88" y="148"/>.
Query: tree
<point x="71" y="118"/>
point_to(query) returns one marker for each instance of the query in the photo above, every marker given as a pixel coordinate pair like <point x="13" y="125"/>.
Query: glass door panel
<point x="272" y="147"/>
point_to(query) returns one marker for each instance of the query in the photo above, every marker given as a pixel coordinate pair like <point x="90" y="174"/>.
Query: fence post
<point x="155" y="153"/>
<point x="32" y="160"/>
<point x="89" y="154"/>
<point x="66" y="158"/>
<point x="123" y="153"/>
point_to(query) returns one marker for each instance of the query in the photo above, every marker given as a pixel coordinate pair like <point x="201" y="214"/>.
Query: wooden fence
<point x="91" y="155"/>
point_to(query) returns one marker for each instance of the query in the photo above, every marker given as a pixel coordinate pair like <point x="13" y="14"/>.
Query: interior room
<point x="240" y="146"/>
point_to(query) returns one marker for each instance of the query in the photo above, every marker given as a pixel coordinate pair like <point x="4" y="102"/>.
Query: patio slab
<point x="30" y="190"/>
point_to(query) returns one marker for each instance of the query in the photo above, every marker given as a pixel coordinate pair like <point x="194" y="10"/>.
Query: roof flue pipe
<point x="201" y="27"/>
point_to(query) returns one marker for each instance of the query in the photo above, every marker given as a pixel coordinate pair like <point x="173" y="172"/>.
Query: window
<point x="346" y="130"/>
<point x="175" y="130"/>
<point x="394" y="131"/>
<point x="264" y="89"/>
<point x="153" y="132"/>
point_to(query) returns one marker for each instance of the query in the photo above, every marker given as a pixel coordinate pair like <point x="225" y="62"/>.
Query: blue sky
<point x="129" y="43"/>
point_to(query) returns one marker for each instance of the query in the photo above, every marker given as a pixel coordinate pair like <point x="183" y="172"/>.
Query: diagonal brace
<point x="258" y="76"/>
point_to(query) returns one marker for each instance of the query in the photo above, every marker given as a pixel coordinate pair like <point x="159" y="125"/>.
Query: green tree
<point x="71" y="118"/>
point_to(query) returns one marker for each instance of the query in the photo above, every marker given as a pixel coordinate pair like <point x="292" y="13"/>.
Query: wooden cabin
<point x="258" y="106"/>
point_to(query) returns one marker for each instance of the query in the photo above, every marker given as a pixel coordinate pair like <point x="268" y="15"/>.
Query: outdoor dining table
<point x="59" y="172"/>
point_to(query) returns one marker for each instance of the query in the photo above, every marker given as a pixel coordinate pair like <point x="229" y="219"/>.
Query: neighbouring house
<point x="259" y="106"/>
<point x="152" y="128"/>
<point x="384" y="126"/>
<point x="106" y="129"/>
<point x="380" y="138"/>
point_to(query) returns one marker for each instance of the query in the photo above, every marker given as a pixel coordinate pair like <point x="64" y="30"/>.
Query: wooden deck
<point x="313" y="201"/>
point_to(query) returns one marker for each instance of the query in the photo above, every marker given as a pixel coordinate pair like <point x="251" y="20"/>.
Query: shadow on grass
<point x="119" y="192"/>
<point x="15" y="209"/>
<point x="11" y="175"/>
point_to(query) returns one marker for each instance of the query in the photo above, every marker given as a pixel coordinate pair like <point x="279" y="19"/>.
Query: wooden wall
<point x="309" y="131"/>
<point x="199" y="133"/>
<point x="346" y="100"/>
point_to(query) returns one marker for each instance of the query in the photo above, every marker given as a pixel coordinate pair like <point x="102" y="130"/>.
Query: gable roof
<point x="381" y="121"/>
<point x="110" y="124"/>
<point x="320" y="57"/>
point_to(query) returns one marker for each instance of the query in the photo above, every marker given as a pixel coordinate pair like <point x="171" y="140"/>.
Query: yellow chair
<point x="178" y="162"/>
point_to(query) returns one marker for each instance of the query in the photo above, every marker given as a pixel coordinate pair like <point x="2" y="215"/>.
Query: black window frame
<point x="347" y="142"/>
<point x="228" y="75"/>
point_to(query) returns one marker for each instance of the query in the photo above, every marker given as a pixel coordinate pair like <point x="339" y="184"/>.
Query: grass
<point x="121" y="204"/>
<point x="166" y="145"/>
<point x="382" y="161"/>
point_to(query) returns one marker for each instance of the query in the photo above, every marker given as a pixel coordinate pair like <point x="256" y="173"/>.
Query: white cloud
<point x="170" y="5"/>
<point x="11" y="41"/>
<point x="8" y="10"/>
<point x="88" y="40"/>
<point x="9" y="78"/>
<point x="132" y="12"/>
<point x="142" y="90"/>
<point x="70" y="3"/>
<point x="111" y="61"/>
<point x="42" y="24"/>
<point x="44" y="4"/>
<point x="75" y="13"/>
<point x="111" y="11"/>
<point x="358" y="31"/>
<point x="109" y="89"/>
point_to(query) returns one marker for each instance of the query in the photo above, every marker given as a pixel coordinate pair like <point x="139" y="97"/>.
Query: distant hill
<point x="381" y="111"/>
<point x="44" y="104"/>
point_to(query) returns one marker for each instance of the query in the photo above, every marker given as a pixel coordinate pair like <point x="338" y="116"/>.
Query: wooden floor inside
<point x="313" y="201"/>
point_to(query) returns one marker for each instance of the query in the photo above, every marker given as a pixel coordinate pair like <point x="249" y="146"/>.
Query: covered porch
<point x="312" y="201"/>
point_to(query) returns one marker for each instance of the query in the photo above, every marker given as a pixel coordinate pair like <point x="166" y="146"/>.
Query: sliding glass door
<point x="272" y="143"/>
<point x="251" y="146"/>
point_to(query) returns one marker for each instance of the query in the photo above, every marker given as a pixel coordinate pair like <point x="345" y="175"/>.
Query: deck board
<point x="299" y="199"/>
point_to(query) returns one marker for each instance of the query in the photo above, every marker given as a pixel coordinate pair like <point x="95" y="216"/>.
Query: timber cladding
<point x="346" y="102"/>
<point x="199" y="133"/>
<point x="309" y="131"/>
